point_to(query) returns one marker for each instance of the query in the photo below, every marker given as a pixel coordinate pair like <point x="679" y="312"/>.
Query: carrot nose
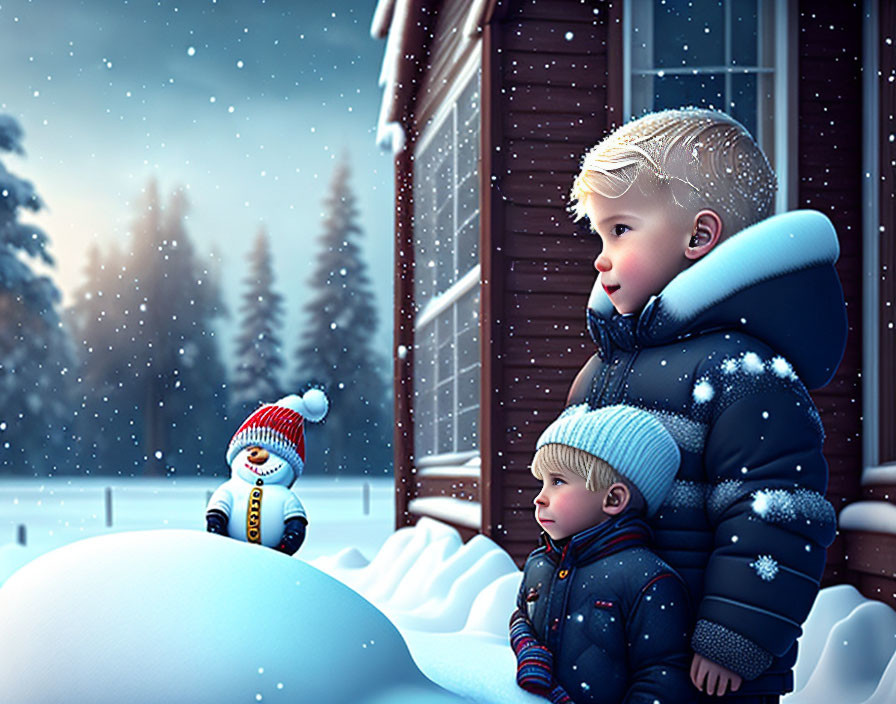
<point x="258" y="455"/>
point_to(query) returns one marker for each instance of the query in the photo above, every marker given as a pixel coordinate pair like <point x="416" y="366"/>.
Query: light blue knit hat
<point x="632" y="441"/>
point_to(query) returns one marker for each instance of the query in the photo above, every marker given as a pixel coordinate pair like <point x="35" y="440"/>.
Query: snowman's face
<point x="254" y="461"/>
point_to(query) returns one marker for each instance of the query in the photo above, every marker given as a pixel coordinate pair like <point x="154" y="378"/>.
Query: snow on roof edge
<point x="389" y="131"/>
<point x="475" y="15"/>
<point x="873" y="516"/>
<point x="382" y="18"/>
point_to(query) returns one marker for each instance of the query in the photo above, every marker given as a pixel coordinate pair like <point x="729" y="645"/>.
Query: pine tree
<point x="154" y="384"/>
<point x="336" y="350"/>
<point x="258" y="345"/>
<point x="35" y="352"/>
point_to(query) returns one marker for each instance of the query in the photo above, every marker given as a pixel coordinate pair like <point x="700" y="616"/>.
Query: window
<point x="725" y="55"/>
<point x="446" y="284"/>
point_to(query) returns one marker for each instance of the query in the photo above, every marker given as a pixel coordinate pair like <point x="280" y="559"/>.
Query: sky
<point x="247" y="104"/>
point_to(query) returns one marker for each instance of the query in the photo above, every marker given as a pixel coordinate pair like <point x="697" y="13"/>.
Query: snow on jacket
<point x="614" y="615"/>
<point x="723" y="356"/>
<point x="251" y="502"/>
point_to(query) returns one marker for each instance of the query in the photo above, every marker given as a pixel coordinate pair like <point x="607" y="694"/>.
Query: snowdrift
<point x="186" y="616"/>
<point x="452" y="603"/>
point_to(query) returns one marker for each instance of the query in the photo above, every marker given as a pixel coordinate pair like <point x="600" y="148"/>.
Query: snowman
<point x="266" y="455"/>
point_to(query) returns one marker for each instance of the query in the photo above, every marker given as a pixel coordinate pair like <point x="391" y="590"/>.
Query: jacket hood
<point x="774" y="280"/>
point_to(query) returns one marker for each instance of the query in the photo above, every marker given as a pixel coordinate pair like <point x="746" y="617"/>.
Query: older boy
<point x="716" y="318"/>
<point x="601" y="619"/>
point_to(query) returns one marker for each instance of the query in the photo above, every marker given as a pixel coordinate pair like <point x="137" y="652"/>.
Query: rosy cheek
<point x="632" y="265"/>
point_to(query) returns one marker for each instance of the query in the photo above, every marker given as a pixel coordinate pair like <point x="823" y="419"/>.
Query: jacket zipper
<point x="630" y="362"/>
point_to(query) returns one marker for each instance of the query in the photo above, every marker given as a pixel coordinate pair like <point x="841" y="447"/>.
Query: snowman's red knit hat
<point x="280" y="427"/>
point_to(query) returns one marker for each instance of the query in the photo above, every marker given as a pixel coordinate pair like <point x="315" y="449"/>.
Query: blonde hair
<point x="597" y="472"/>
<point x="704" y="158"/>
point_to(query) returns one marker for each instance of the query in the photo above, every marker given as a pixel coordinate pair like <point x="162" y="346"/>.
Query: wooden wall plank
<point x="830" y="180"/>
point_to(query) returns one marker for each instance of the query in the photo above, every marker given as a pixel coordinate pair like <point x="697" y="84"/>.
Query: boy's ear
<point x="706" y="233"/>
<point x="617" y="499"/>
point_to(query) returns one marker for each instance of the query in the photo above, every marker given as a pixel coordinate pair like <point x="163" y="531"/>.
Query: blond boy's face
<point x="644" y="241"/>
<point x="565" y="506"/>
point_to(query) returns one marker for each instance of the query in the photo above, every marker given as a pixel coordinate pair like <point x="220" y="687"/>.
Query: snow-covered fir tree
<point x="35" y="351"/>
<point x="259" y="355"/>
<point x="336" y="349"/>
<point x="154" y="385"/>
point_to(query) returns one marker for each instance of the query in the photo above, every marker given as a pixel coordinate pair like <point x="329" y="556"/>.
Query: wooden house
<point x="489" y="106"/>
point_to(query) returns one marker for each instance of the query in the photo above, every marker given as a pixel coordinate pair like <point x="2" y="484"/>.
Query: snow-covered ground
<point x="181" y="615"/>
<point x="61" y="510"/>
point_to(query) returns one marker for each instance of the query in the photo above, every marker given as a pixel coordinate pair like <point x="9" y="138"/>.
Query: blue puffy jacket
<point x="614" y="615"/>
<point x="723" y="356"/>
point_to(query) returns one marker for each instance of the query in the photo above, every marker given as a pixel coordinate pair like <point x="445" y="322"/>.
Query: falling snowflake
<point x="766" y="567"/>
<point x="703" y="391"/>
<point x="753" y="363"/>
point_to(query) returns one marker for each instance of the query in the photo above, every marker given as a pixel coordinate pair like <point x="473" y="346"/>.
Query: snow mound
<point x="452" y="603"/>
<point x="12" y="557"/>
<point x="831" y="606"/>
<point x="426" y="579"/>
<point x="186" y="616"/>
<point x="857" y="663"/>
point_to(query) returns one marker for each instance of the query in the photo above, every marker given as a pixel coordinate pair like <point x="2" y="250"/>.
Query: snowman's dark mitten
<point x="216" y="522"/>
<point x="293" y="536"/>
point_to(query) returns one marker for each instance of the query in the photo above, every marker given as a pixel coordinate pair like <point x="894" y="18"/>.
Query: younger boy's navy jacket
<point x="614" y="615"/>
<point x="723" y="357"/>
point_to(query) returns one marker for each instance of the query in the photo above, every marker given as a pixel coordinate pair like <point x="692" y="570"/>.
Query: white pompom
<point x="316" y="405"/>
<point x="293" y="402"/>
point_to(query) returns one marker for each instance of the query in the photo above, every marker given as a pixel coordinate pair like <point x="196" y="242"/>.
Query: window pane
<point x="744" y="39"/>
<point x="468" y="428"/>
<point x="742" y="106"/>
<point x="444" y="247"/>
<point x="424" y="391"/>
<point x="680" y="37"/>
<point x="705" y="90"/>
<point x="445" y="418"/>
<point x="468" y="244"/>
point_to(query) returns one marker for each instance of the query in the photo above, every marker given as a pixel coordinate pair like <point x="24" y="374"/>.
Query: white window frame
<point x="873" y="472"/>
<point x="783" y="142"/>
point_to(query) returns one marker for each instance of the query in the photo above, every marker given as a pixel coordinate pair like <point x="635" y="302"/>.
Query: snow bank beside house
<point x="459" y="638"/>
<point x="186" y="616"/>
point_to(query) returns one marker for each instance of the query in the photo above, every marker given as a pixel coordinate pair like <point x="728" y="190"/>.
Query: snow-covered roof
<point x="392" y="20"/>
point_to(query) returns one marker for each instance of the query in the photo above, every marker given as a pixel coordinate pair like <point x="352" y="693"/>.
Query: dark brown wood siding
<point x="403" y="335"/>
<point x="551" y="105"/>
<point x="830" y="180"/>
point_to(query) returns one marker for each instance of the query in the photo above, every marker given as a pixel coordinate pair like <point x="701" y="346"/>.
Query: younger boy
<point x="717" y="317"/>
<point x="600" y="618"/>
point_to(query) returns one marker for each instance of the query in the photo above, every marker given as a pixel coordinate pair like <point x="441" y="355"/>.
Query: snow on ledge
<point x="885" y="474"/>
<point x="450" y="471"/>
<point x="446" y="508"/>
<point x="874" y="516"/>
